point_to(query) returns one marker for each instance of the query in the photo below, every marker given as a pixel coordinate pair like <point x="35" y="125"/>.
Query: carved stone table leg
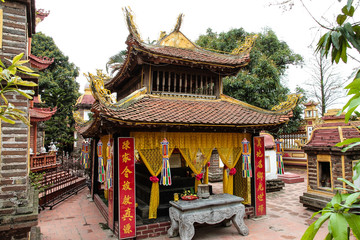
<point x="227" y="223"/>
<point x="174" y="218"/>
<point x="238" y="220"/>
<point x="187" y="231"/>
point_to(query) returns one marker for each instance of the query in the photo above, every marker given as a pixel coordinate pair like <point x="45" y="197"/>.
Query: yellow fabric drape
<point x="225" y="179"/>
<point x="104" y="139"/>
<point x="196" y="149"/>
<point x="206" y="178"/>
<point x="150" y="149"/>
<point x="230" y="149"/>
<point x="242" y="185"/>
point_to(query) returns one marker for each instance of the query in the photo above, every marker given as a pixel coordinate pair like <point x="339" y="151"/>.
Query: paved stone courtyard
<point x="78" y="218"/>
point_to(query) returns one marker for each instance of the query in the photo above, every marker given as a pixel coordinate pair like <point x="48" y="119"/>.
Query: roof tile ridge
<point x="227" y="98"/>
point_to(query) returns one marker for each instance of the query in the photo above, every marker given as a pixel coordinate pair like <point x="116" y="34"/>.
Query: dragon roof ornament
<point x="287" y="105"/>
<point x="178" y="23"/>
<point x="129" y="17"/>
<point x="98" y="90"/>
<point x="78" y="119"/>
<point x="246" y="46"/>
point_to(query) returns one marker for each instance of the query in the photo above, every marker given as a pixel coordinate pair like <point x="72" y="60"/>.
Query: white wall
<point x="270" y="164"/>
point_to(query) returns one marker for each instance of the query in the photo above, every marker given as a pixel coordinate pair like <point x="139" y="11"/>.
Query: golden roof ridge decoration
<point x="105" y="97"/>
<point x="287" y="105"/>
<point x="274" y="110"/>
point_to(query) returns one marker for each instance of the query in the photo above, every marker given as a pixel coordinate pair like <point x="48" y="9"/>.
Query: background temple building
<point x="172" y="89"/>
<point x="82" y="115"/>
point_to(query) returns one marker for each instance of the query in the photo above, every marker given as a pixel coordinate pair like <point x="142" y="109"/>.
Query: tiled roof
<point x="41" y="114"/>
<point x="152" y="109"/>
<point x="197" y="55"/>
<point x="329" y="134"/>
<point x="221" y="63"/>
<point x="40" y="63"/>
<point x="86" y="98"/>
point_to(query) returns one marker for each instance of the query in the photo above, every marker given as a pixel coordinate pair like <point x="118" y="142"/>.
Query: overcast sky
<point x="91" y="31"/>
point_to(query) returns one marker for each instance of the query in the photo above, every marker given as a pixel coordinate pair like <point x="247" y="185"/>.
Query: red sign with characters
<point x="127" y="216"/>
<point x="260" y="181"/>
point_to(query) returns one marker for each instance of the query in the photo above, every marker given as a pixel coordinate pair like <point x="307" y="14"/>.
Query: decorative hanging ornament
<point x="108" y="182"/>
<point x="85" y="153"/>
<point x="279" y="159"/>
<point x="101" y="170"/>
<point x="246" y="160"/>
<point x="165" y="171"/>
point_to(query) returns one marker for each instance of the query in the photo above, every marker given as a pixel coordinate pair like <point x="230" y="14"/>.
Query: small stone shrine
<point x="326" y="163"/>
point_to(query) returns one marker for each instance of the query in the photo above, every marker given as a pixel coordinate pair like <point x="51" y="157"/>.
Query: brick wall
<point x="18" y="201"/>
<point x="215" y="172"/>
<point x="152" y="230"/>
<point x="14" y="39"/>
<point x="14" y="160"/>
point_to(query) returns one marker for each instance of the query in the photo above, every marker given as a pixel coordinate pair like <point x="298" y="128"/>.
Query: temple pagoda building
<point x="82" y="115"/>
<point x="170" y="94"/>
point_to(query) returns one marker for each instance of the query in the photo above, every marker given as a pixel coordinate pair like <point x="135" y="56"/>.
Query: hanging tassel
<point x="165" y="178"/>
<point x="246" y="160"/>
<point x="101" y="170"/>
<point x="108" y="166"/>
<point x="85" y="153"/>
<point x="279" y="159"/>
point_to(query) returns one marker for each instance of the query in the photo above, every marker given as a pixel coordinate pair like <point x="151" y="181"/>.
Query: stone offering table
<point x="215" y="209"/>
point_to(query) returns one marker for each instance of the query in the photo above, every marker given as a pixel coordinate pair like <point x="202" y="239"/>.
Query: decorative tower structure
<point x="310" y="116"/>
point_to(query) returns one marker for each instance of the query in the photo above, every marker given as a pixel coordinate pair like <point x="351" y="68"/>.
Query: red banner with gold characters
<point x="127" y="216"/>
<point x="260" y="181"/>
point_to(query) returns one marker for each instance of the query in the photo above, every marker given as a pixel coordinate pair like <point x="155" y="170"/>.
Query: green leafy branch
<point x="343" y="214"/>
<point x="344" y="208"/>
<point x="10" y="82"/>
<point x="36" y="180"/>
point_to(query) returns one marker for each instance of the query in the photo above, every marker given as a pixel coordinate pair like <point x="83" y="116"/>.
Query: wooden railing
<point x="59" y="186"/>
<point x="293" y="141"/>
<point x="41" y="162"/>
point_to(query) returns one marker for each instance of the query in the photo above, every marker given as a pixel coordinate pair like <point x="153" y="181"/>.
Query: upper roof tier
<point x="226" y="111"/>
<point x="176" y="49"/>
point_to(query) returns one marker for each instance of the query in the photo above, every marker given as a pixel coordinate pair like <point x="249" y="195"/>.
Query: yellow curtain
<point x="196" y="149"/>
<point x="230" y="149"/>
<point x="148" y="144"/>
<point x="225" y="179"/>
<point x="242" y="185"/>
<point x="104" y="140"/>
